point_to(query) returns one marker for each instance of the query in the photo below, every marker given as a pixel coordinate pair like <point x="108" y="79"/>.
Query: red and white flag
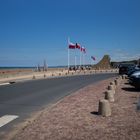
<point x="83" y="49"/>
<point x="72" y="46"/>
<point x="92" y="57"/>
<point x="78" y="46"/>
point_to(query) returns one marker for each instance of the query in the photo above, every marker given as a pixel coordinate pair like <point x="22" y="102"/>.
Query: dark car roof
<point x="127" y="65"/>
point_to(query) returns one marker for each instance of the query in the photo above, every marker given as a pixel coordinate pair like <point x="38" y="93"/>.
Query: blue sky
<point x="34" y="30"/>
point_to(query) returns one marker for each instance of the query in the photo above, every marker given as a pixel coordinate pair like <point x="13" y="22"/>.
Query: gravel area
<point x="76" y="117"/>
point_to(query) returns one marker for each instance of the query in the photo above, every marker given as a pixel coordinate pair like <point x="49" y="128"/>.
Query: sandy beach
<point x="16" y="75"/>
<point x="7" y="75"/>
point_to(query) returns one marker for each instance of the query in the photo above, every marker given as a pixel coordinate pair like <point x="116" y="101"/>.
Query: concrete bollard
<point x="109" y="95"/>
<point x="34" y="77"/>
<point x="104" y="108"/>
<point x="44" y="76"/>
<point x="113" y="84"/>
<point x="120" y="77"/>
<point x="110" y="87"/>
<point x="116" y="81"/>
<point x="123" y="76"/>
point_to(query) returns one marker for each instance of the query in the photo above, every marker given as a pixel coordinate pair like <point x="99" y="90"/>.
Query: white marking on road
<point x="4" y="84"/>
<point x="6" y="119"/>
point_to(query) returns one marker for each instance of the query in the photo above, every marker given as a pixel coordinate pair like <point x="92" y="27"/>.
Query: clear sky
<point x="34" y="30"/>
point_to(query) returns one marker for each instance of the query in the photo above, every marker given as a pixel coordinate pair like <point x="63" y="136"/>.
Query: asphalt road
<point x="24" y="98"/>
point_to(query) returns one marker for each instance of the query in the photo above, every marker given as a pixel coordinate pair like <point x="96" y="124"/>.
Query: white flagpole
<point x="68" y="54"/>
<point x="75" y="61"/>
<point x="83" y="59"/>
<point x="80" y="58"/>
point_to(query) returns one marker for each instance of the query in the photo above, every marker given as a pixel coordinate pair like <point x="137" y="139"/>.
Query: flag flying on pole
<point x="72" y="46"/>
<point x="92" y="57"/>
<point x="83" y="49"/>
<point x="78" y="46"/>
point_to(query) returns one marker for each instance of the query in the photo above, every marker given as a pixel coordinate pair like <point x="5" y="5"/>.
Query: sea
<point x="30" y="67"/>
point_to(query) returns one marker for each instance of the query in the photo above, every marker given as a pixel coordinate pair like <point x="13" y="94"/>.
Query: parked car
<point x="124" y="67"/>
<point x="132" y="70"/>
<point x="134" y="79"/>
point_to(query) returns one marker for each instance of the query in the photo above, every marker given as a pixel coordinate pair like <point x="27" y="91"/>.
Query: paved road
<point x="24" y="98"/>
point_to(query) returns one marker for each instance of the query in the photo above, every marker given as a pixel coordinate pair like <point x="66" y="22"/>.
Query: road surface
<point x="20" y="100"/>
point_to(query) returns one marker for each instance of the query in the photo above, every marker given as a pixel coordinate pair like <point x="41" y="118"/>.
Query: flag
<point x="83" y="49"/>
<point x="78" y="46"/>
<point x="92" y="57"/>
<point x="72" y="46"/>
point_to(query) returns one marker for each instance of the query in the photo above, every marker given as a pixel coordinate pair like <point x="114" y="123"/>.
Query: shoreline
<point x="13" y="76"/>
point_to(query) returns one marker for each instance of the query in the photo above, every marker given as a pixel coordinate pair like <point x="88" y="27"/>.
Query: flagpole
<point x="75" y="61"/>
<point x="80" y="58"/>
<point x="68" y="59"/>
<point x="84" y="59"/>
<point x="68" y="55"/>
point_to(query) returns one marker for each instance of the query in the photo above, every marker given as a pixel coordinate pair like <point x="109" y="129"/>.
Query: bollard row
<point x="104" y="108"/>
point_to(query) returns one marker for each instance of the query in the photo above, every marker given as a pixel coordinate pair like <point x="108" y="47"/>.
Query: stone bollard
<point x="34" y="77"/>
<point x="113" y="83"/>
<point x="116" y="81"/>
<point x="104" y="108"/>
<point x="110" y="87"/>
<point x="123" y="76"/>
<point x="44" y="76"/>
<point x="120" y="77"/>
<point x="109" y="95"/>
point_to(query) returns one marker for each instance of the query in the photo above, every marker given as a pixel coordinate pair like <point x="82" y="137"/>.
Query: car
<point x="132" y="70"/>
<point x="125" y="67"/>
<point x="134" y="79"/>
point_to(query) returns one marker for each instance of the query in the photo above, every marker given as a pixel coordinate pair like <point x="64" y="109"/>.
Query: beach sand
<point x="7" y="75"/>
<point x="16" y="75"/>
